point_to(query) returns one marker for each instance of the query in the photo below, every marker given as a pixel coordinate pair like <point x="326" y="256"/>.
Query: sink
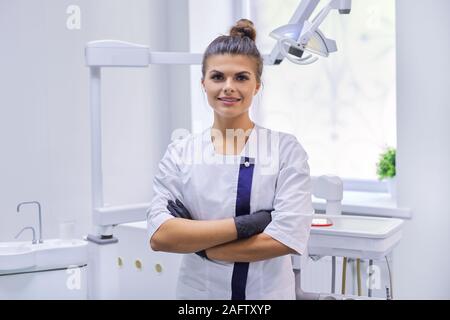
<point x="16" y="256"/>
<point x="54" y="253"/>
<point x="354" y="236"/>
<point x="51" y="254"/>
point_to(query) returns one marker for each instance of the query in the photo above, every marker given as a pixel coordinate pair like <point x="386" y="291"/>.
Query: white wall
<point x="422" y="260"/>
<point x="44" y="121"/>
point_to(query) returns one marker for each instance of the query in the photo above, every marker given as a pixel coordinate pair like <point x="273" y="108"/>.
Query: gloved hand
<point x="251" y="224"/>
<point x="179" y="210"/>
<point x="246" y="225"/>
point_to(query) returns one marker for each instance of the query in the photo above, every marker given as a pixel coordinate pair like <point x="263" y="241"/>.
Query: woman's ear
<point x="258" y="86"/>
<point x="202" y="81"/>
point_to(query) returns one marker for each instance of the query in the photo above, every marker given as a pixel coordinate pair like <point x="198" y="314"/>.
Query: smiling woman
<point x="231" y="76"/>
<point x="230" y="81"/>
<point x="239" y="220"/>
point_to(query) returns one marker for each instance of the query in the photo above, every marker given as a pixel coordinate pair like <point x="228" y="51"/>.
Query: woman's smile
<point x="229" y="101"/>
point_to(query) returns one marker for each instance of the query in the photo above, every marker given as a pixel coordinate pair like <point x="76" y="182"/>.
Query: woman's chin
<point x="228" y="112"/>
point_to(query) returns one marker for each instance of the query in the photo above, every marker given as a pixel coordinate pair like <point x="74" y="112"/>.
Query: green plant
<point x="386" y="165"/>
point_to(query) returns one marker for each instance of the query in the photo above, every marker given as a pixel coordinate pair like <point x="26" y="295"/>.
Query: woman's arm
<point x="258" y="247"/>
<point x="186" y="236"/>
<point x="177" y="235"/>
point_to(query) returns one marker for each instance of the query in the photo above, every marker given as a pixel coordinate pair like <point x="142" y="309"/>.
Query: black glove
<point x="250" y="224"/>
<point x="179" y="210"/>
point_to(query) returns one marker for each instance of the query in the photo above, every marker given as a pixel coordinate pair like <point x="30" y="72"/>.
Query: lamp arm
<point x="309" y="28"/>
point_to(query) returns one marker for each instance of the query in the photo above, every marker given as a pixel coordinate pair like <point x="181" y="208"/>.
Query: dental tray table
<point x="354" y="236"/>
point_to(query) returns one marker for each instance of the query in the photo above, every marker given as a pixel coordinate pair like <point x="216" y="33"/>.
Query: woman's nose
<point x="228" y="88"/>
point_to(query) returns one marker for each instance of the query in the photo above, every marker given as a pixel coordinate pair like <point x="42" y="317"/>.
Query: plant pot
<point x="392" y="187"/>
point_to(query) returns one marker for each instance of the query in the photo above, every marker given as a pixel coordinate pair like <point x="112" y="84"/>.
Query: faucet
<point x="40" y="216"/>
<point x="32" y="229"/>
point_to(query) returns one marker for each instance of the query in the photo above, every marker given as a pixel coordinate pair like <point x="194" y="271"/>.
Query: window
<point x="341" y="108"/>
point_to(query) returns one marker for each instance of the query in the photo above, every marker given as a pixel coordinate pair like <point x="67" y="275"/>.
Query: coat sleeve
<point x="166" y="185"/>
<point x="293" y="210"/>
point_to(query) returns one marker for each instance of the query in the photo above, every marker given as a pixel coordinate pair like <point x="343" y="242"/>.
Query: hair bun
<point x="243" y="28"/>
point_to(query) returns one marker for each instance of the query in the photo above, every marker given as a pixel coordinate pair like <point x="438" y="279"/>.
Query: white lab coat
<point x="207" y="183"/>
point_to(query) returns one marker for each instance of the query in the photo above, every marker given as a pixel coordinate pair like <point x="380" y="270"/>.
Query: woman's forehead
<point x="230" y="63"/>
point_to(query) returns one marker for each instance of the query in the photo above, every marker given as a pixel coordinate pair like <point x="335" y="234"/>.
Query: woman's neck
<point x="231" y="135"/>
<point x="222" y="124"/>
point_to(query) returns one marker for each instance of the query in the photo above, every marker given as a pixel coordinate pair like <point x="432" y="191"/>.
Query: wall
<point x="421" y="262"/>
<point x="44" y="122"/>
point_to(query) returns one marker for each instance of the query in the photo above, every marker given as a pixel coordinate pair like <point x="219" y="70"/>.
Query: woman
<point x="237" y="195"/>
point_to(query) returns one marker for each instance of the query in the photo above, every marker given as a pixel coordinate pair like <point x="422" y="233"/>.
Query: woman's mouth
<point x="229" y="101"/>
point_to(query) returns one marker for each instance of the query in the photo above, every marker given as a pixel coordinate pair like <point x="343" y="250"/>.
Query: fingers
<point x="180" y="204"/>
<point x="202" y="254"/>
<point x="177" y="210"/>
<point x="183" y="208"/>
<point x="172" y="210"/>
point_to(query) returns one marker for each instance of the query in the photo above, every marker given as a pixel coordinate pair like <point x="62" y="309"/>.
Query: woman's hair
<point x="241" y="41"/>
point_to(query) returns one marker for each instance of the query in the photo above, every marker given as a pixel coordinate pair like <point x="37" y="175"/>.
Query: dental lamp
<point x="301" y="35"/>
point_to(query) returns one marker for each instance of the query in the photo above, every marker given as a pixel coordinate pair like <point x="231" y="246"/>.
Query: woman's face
<point x="230" y="84"/>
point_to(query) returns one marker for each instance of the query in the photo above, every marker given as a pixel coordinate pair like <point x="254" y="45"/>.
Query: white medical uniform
<point x="211" y="186"/>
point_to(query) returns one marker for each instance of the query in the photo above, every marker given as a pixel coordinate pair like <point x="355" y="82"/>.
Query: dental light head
<point x="301" y="35"/>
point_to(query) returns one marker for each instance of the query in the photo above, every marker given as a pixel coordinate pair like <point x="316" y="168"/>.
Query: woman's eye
<point x="242" y="78"/>
<point x="216" y="77"/>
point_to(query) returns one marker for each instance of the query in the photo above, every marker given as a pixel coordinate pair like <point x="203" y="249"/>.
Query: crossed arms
<point x="219" y="238"/>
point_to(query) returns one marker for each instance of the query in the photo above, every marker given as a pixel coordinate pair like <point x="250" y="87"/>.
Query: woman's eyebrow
<point x="237" y="73"/>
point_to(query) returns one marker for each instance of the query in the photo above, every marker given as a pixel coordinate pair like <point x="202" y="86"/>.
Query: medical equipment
<point x="56" y="269"/>
<point x="351" y="237"/>
<point x="300" y="35"/>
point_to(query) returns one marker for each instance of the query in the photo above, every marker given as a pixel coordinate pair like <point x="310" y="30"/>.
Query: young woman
<point x="236" y="197"/>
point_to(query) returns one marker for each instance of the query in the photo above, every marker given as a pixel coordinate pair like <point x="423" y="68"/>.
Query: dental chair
<point x="329" y="188"/>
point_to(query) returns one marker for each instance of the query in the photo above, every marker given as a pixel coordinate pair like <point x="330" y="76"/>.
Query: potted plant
<point x="386" y="169"/>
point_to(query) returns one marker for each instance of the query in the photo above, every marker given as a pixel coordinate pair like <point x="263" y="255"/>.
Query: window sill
<point x="367" y="204"/>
